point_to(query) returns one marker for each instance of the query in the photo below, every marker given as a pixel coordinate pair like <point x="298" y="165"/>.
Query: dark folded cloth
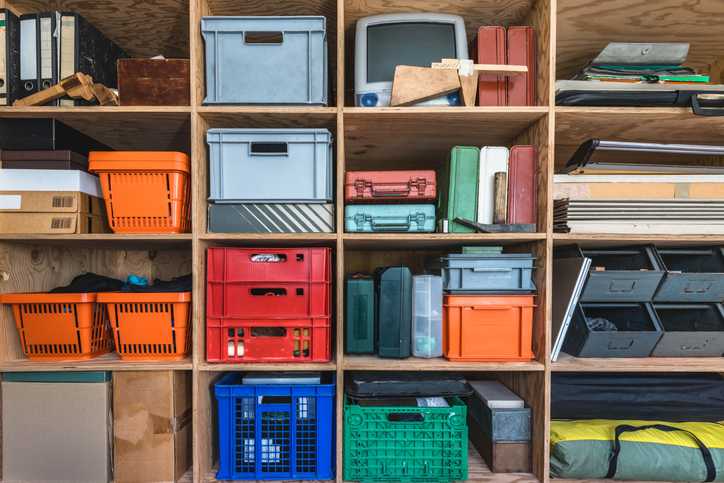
<point x="90" y="282"/>
<point x="178" y="284"/>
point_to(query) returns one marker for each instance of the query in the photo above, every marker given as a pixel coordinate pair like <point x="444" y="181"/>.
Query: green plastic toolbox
<point x="393" y="287"/>
<point x="359" y="322"/>
<point x="457" y="184"/>
<point x="401" y="444"/>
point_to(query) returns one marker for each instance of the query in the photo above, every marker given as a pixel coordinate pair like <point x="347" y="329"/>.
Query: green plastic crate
<point x="457" y="184"/>
<point x="435" y="449"/>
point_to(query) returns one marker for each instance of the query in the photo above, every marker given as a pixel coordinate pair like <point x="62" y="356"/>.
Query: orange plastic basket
<point x="61" y="326"/>
<point x="488" y="328"/>
<point x="150" y="326"/>
<point x="145" y="191"/>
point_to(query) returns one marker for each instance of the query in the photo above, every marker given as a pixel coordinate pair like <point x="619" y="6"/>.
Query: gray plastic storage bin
<point x="270" y="165"/>
<point x="692" y="275"/>
<point x="638" y="332"/>
<point x="483" y="273"/>
<point x="266" y="60"/>
<point x="631" y="274"/>
<point x="690" y="330"/>
<point x="500" y="424"/>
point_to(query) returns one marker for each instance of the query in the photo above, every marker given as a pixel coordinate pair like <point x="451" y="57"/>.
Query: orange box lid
<point x="144" y="297"/>
<point x="138" y="161"/>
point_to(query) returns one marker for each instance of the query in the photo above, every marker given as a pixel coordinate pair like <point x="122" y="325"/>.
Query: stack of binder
<point x="43" y="48"/>
<point x="599" y="194"/>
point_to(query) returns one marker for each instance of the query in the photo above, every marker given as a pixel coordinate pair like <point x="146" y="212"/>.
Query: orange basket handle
<point x="492" y="307"/>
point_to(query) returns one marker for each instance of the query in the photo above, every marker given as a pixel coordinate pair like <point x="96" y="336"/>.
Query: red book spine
<point x="522" y="51"/>
<point x="488" y="47"/>
<point x="523" y="184"/>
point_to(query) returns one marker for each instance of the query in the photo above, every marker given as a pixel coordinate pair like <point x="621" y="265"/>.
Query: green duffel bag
<point x="637" y="450"/>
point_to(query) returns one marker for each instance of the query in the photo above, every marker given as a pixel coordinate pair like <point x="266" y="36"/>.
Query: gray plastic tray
<point x="509" y="273"/>
<point x="270" y="165"/>
<point x="288" y="67"/>
<point x="691" y="275"/>
<point x="690" y="330"/>
<point x="638" y="332"/>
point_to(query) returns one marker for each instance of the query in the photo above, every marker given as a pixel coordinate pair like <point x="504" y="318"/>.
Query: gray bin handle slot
<point x="271" y="148"/>
<point x="263" y="38"/>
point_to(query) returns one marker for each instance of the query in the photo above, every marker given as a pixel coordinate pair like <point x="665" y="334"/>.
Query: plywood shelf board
<point x="433" y="241"/>
<point x="569" y="363"/>
<point x="376" y="363"/>
<point x="107" y="362"/>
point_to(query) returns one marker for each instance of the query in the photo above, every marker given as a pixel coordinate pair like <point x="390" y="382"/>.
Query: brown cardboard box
<point x="501" y="457"/>
<point x="57" y="432"/>
<point x="154" y="82"/>
<point x="152" y="425"/>
<point x="51" y="202"/>
<point x="51" y="223"/>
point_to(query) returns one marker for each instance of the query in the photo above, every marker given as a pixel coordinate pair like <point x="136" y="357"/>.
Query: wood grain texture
<point x="585" y="27"/>
<point x="265" y="117"/>
<point x="475" y="13"/>
<point x="541" y="18"/>
<point x="422" y="137"/>
<point x="327" y="8"/>
<point x="433" y="241"/>
<point x="107" y="362"/>
<point x="142" y="29"/>
<point x="586" y="240"/>
<point x="107" y="241"/>
<point x="570" y="363"/>
<point x="206" y="424"/>
<point x="122" y="128"/>
<point x="669" y="125"/>
<point x="376" y="363"/>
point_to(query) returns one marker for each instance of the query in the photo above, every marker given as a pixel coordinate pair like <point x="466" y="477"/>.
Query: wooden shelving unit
<point x="570" y="32"/>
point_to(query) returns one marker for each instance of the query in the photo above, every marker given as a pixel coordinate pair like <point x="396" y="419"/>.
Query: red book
<point x="523" y="184"/>
<point x="488" y="47"/>
<point x="522" y="51"/>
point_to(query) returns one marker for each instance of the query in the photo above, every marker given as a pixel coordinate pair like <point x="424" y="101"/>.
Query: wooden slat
<point x="432" y="241"/>
<point x="376" y="363"/>
<point x="569" y="363"/>
<point x="107" y="362"/>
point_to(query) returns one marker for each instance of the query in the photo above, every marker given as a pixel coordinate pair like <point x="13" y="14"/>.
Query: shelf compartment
<point x="575" y="125"/>
<point x="568" y="363"/>
<point x="421" y="137"/>
<point x="121" y="128"/>
<point x="608" y="240"/>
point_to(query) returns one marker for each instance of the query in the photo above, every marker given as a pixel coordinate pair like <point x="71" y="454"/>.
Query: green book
<point x="457" y="184"/>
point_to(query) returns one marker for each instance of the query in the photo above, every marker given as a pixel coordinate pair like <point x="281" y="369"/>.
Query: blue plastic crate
<point x="269" y="432"/>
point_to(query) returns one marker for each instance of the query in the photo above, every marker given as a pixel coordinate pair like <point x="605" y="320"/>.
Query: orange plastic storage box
<point x="61" y="326"/>
<point x="145" y="191"/>
<point x="488" y="328"/>
<point x="150" y="326"/>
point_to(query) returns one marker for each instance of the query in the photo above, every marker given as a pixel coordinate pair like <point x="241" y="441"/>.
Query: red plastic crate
<point x="296" y="340"/>
<point x="301" y="265"/>
<point x="298" y="286"/>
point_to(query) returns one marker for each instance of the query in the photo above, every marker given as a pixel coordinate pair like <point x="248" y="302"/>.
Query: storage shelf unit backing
<point x="569" y="32"/>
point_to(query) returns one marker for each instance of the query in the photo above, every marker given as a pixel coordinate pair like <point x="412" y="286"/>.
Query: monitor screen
<point x="418" y="44"/>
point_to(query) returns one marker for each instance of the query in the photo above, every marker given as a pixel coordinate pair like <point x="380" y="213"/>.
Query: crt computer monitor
<point x="385" y="41"/>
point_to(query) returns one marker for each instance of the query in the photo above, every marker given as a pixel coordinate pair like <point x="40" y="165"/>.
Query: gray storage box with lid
<point x="500" y="424"/>
<point x="638" y="332"/>
<point x="266" y="60"/>
<point x="508" y="273"/>
<point x="691" y="275"/>
<point x="270" y="165"/>
<point x="690" y="330"/>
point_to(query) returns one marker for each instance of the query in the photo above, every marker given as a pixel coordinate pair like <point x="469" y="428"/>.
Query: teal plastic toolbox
<point x="457" y="187"/>
<point x="389" y="218"/>
<point x="359" y="318"/>
<point x="393" y="286"/>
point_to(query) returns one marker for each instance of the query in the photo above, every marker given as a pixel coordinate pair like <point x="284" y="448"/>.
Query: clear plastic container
<point x="426" y="316"/>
